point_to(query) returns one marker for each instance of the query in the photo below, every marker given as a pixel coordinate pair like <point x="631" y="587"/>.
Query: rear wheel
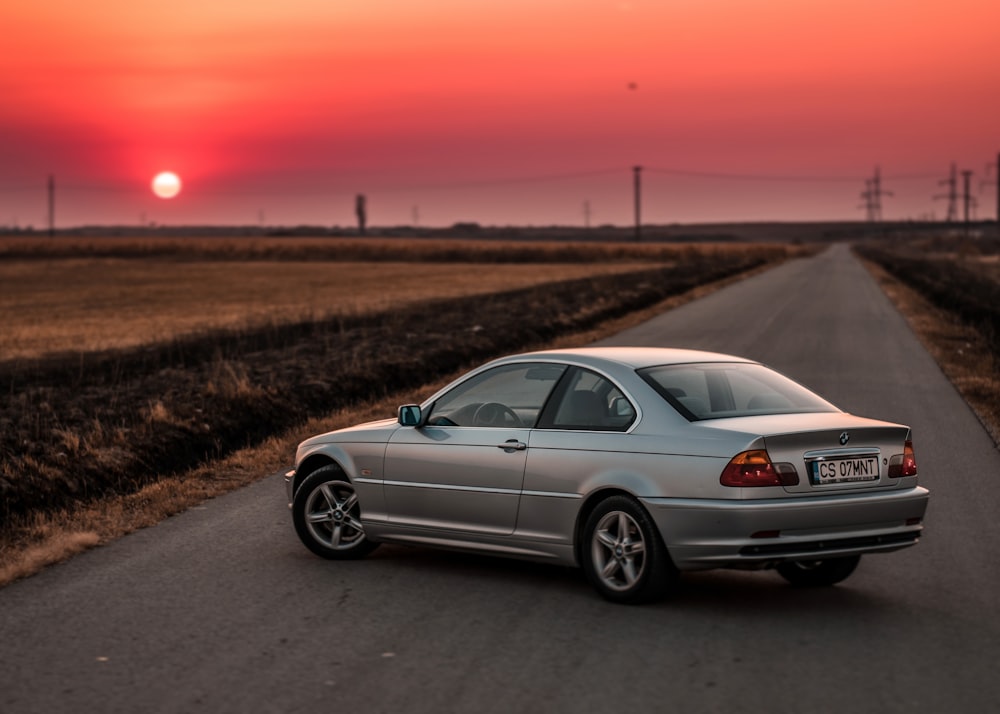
<point x="623" y="555"/>
<point x="818" y="573"/>
<point x="327" y="516"/>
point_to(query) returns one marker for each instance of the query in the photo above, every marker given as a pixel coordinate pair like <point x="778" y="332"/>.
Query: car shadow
<point x="759" y="591"/>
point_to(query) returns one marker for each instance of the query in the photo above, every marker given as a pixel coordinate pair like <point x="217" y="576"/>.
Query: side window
<point x="589" y="402"/>
<point x="506" y="396"/>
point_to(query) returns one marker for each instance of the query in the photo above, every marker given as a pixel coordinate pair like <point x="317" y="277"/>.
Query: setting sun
<point x="166" y="184"/>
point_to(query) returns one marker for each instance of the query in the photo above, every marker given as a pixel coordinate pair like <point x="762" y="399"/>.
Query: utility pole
<point x="361" y="210"/>
<point x="52" y="206"/>
<point x="952" y="183"/>
<point x="637" y="187"/>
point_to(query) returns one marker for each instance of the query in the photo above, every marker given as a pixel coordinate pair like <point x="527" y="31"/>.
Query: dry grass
<point x="54" y="536"/>
<point x="55" y="543"/>
<point x="410" y="249"/>
<point x="963" y="354"/>
<point x="948" y="287"/>
<point x="87" y="425"/>
<point x="91" y="294"/>
<point x="85" y="305"/>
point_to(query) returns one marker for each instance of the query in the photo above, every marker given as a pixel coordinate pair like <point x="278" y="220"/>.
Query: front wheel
<point x="623" y="555"/>
<point x="327" y="516"/>
<point x="818" y="573"/>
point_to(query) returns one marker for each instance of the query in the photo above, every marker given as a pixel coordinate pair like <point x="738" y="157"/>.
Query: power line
<point x="510" y="181"/>
<point x="500" y="181"/>
<point x="780" y="177"/>
<point x="872" y="195"/>
<point x="752" y="177"/>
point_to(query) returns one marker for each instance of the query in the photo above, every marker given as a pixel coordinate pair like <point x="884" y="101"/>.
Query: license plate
<point x="844" y="470"/>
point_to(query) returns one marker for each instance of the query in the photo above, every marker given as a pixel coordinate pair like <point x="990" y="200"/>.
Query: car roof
<point x="634" y="357"/>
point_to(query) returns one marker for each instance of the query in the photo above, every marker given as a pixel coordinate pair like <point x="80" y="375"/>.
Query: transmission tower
<point x="872" y="196"/>
<point x="952" y="183"/>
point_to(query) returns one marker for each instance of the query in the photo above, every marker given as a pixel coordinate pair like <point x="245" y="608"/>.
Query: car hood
<point x="369" y="432"/>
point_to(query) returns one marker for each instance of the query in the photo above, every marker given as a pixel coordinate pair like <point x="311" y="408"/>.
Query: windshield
<point x="727" y="389"/>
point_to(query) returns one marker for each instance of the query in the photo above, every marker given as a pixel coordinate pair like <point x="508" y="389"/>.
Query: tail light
<point x="904" y="464"/>
<point x="754" y="468"/>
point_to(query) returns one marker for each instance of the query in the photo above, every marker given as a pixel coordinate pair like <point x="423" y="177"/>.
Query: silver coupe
<point x="632" y="463"/>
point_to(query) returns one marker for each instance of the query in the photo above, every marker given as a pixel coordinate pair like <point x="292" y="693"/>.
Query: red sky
<point x="500" y="112"/>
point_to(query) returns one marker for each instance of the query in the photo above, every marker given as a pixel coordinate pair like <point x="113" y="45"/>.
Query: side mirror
<point x="409" y="415"/>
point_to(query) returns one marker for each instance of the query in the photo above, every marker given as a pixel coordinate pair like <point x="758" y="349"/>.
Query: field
<point x="134" y="362"/>
<point x="83" y="295"/>
<point x="86" y="305"/>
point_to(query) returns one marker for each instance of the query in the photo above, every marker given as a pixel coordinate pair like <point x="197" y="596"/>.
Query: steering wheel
<point x="495" y="414"/>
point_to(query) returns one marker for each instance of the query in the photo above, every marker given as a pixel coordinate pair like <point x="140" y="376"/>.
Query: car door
<point x="463" y="469"/>
<point x="580" y="438"/>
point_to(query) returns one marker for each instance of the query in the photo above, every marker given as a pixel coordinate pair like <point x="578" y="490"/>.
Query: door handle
<point x="512" y="445"/>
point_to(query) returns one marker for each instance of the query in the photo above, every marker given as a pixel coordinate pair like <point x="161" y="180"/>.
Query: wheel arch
<point x="587" y="507"/>
<point x="313" y="463"/>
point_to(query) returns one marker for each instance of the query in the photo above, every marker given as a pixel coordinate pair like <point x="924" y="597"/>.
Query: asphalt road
<point x="222" y="610"/>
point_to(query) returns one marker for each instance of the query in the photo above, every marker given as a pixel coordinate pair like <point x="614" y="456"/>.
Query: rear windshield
<point x="726" y="389"/>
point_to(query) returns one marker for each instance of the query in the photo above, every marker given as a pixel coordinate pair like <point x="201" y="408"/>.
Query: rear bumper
<point x="702" y="533"/>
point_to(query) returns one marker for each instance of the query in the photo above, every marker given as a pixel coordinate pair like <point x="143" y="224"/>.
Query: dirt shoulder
<point x="962" y="353"/>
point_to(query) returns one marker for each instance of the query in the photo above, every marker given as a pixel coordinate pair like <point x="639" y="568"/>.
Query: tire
<point x="327" y="516"/>
<point x="623" y="554"/>
<point x="818" y="573"/>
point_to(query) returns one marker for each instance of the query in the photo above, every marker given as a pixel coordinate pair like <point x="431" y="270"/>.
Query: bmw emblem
<point x="844" y="438"/>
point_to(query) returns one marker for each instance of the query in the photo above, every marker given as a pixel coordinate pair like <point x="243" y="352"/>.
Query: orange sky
<point x="505" y="112"/>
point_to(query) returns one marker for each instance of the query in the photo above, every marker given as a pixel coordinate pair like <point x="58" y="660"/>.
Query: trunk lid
<point x="831" y="452"/>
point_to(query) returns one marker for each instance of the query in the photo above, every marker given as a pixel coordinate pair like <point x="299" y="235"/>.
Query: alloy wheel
<point x="331" y="515"/>
<point x="618" y="551"/>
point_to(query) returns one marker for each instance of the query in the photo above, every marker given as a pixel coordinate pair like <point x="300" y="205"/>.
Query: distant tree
<point x="466" y="227"/>
<point x="361" y="209"/>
